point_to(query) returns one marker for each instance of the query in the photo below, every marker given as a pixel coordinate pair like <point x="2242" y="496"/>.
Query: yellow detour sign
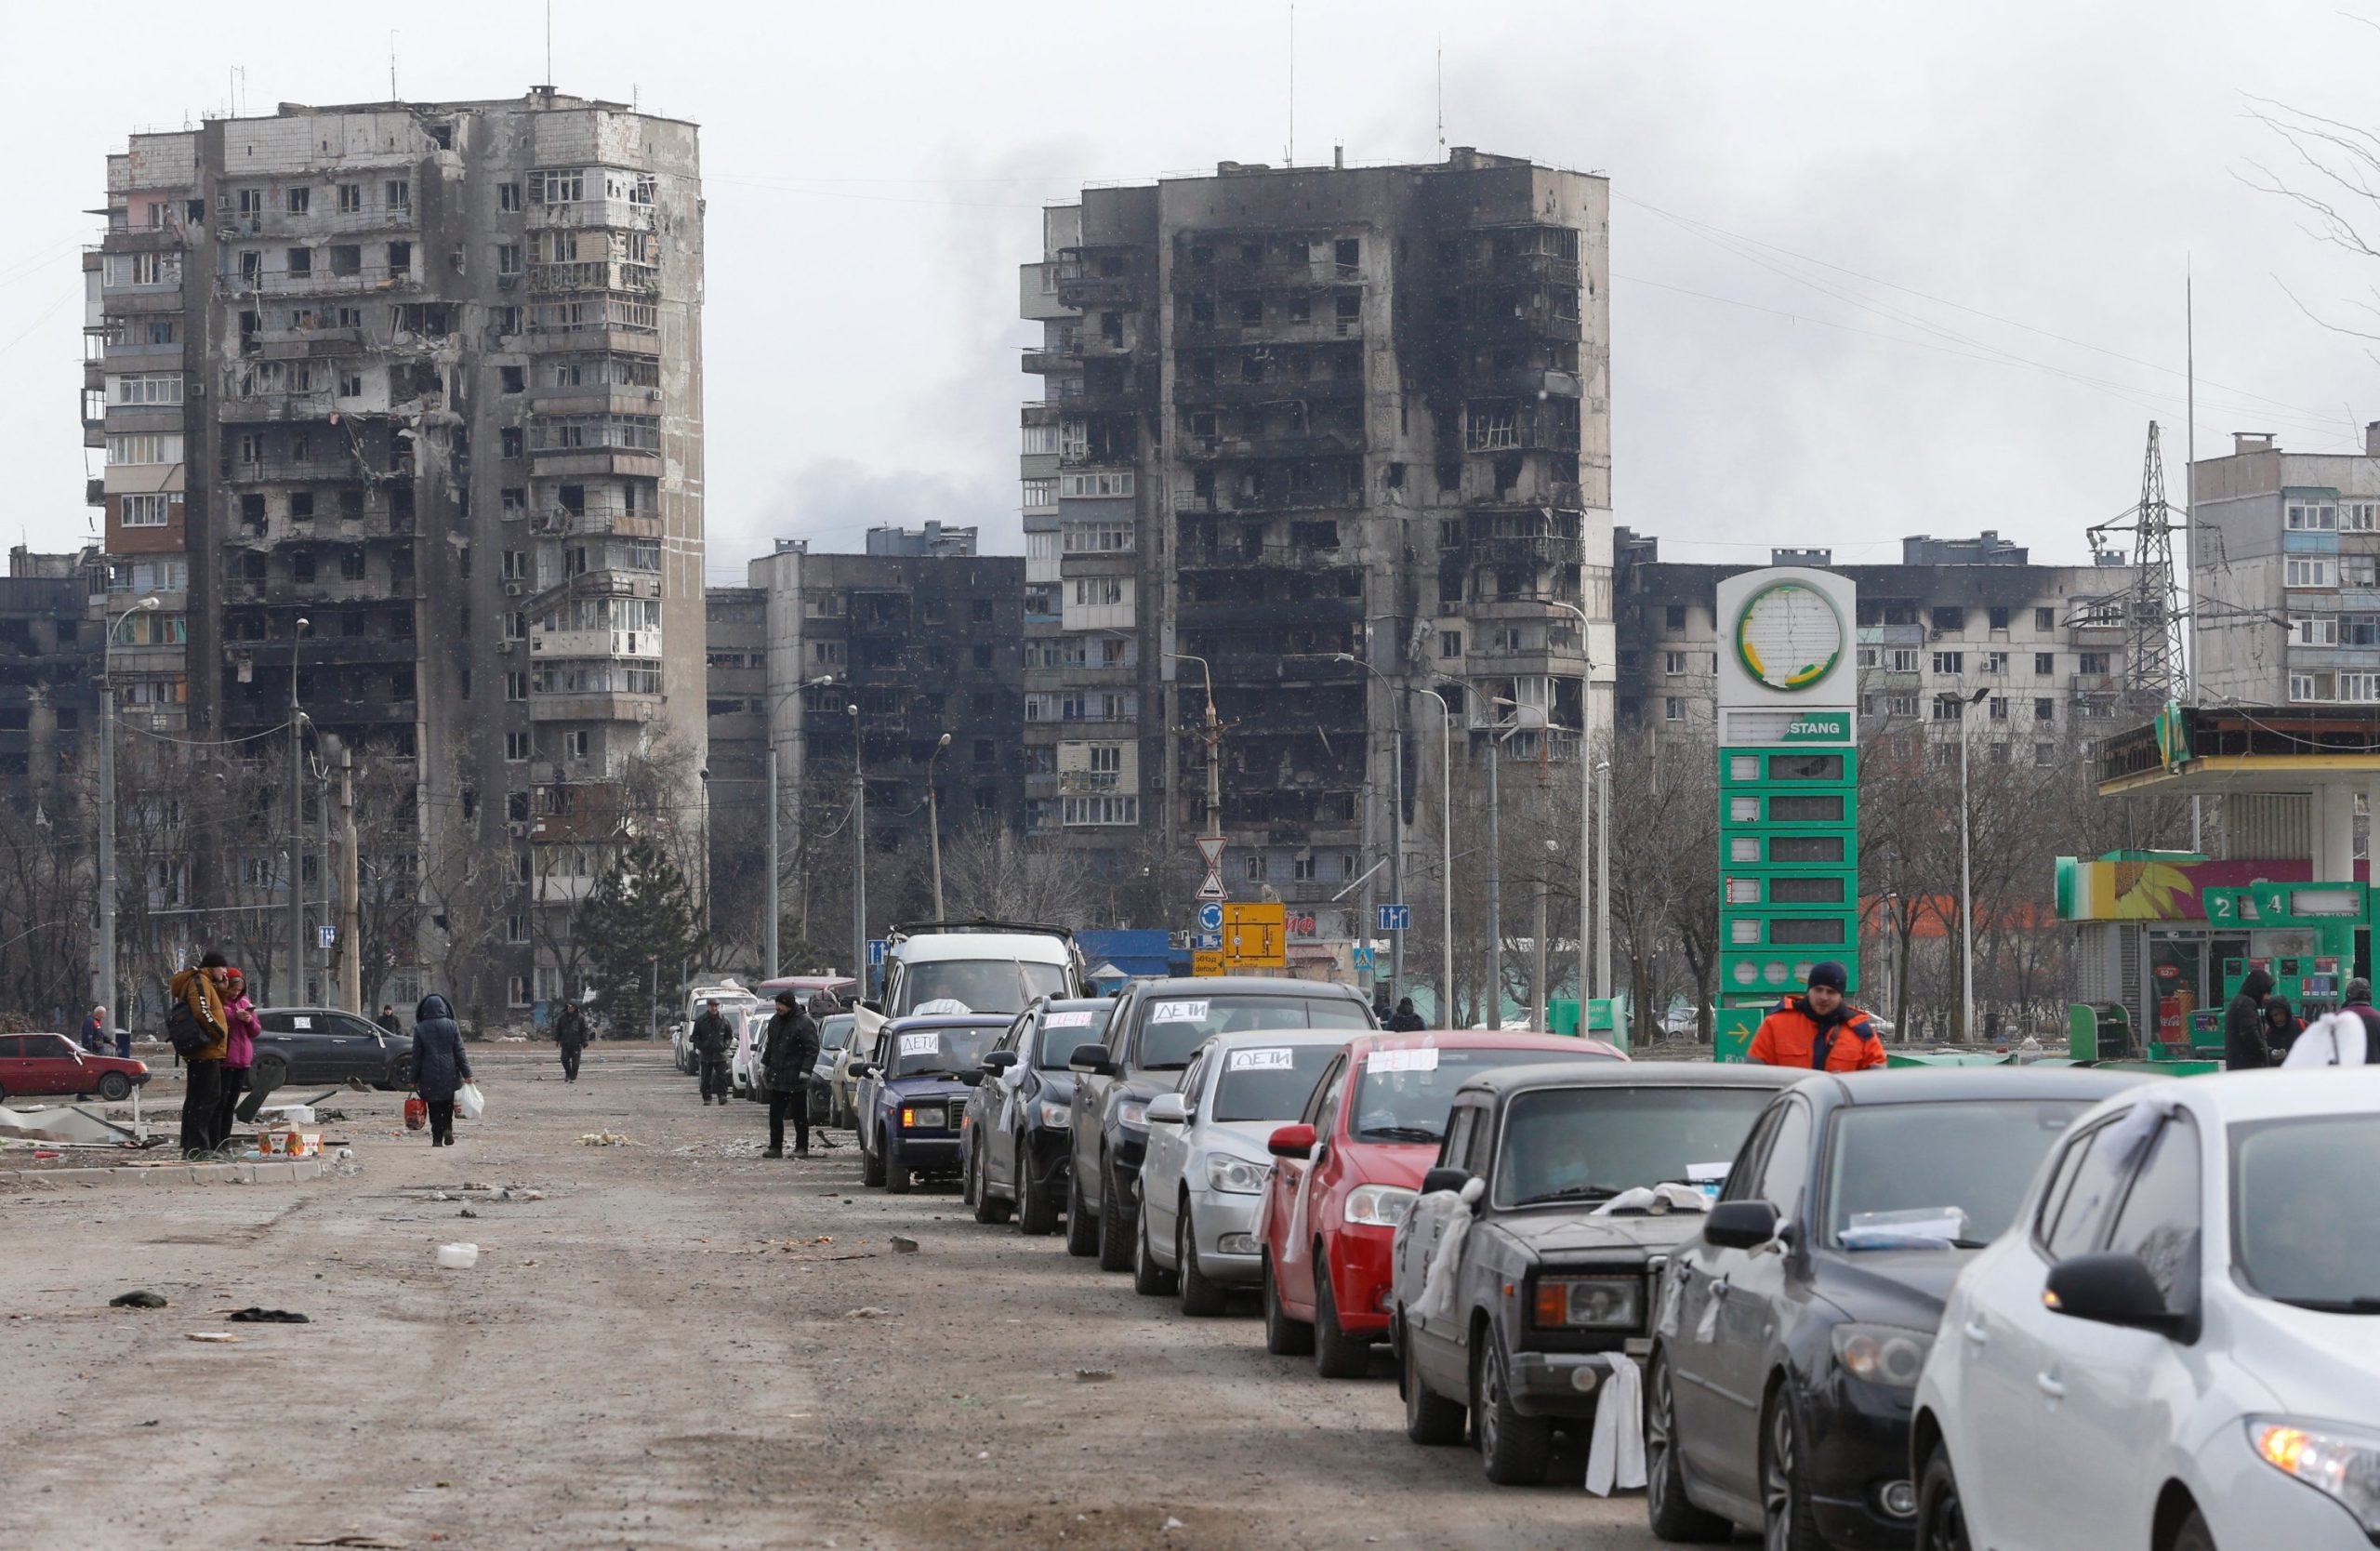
<point x="1206" y="964"/>
<point x="1255" y="936"/>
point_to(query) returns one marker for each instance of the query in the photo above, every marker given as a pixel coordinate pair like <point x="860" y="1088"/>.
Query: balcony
<point x="1273" y="389"/>
<point x="594" y="707"/>
<point x="256" y="407"/>
<point x="368" y="280"/>
<point x="290" y="471"/>
<point x="1042" y="359"/>
<point x="2094" y="683"/>
<point x="569" y="462"/>
<point x="1314" y="442"/>
<point x="596" y="274"/>
<point x="1537" y="551"/>
<point x="562" y="523"/>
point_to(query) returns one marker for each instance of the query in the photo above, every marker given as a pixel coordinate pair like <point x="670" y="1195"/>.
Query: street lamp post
<point x="103" y="973"/>
<point x="1214" y="738"/>
<point x="1586" y="803"/>
<point x="296" y="992"/>
<point x="1446" y="860"/>
<point x="1966" y="879"/>
<point x="1603" y="892"/>
<point x="776" y="863"/>
<point x="859" y="848"/>
<point x="1396" y="822"/>
<point x="933" y="823"/>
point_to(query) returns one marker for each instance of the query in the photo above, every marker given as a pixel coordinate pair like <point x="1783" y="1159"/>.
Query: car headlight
<point x="924" y="1117"/>
<point x="1885" y="1355"/>
<point x="1056" y="1114"/>
<point x="1132" y="1112"/>
<point x="1589" y="1303"/>
<point x="2341" y="1466"/>
<point x="1378" y="1205"/>
<point x="1237" y="1177"/>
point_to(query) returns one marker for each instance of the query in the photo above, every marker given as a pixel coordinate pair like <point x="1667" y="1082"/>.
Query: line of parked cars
<point x="2021" y="1307"/>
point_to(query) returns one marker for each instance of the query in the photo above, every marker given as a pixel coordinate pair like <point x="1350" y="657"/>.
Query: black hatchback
<point x="1790" y="1333"/>
<point x="323" y="1044"/>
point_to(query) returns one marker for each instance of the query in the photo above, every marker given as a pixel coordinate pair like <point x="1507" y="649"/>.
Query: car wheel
<point x="2194" y="1535"/>
<point x="1082" y="1228"/>
<point x="966" y="1175"/>
<point x="1337" y="1355"/>
<point x="401" y="1072"/>
<point x="1118" y="1224"/>
<point x="1785" y="1517"/>
<point x="871" y="1167"/>
<point x="896" y="1177"/>
<point x="1036" y="1213"/>
<point x="1429" y="1418"/>
<point x="1201" y="1299"/>
<point x="1670" y="1515"/>
<point x="1941" y="1515"/>
<point x="114" y="1087"/>
<point x="1283" y="1335"/>
<point x="1514" y="1449"/>
<point x="987" y="1209"/>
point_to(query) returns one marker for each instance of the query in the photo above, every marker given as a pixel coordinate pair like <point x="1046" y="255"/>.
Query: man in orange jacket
<point x="1819" y="1030"/>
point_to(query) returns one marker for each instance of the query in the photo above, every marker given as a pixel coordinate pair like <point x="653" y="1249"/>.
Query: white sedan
<point x="2176" y="1346"/>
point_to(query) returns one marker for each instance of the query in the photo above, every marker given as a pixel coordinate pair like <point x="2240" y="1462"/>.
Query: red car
<point x="53" y="1063"/>
<point x="1345" y="1175"/>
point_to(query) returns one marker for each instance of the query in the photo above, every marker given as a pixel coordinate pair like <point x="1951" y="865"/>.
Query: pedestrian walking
<point x="239" y="1030"/>
<point x="440" y="1068"/>
<point x="95" y="1031"/>
<point x="2243" y="1024"/>
<point x="786" y="1061"/>
<point x="570" y="1034"/>
<point x="712" y="1038"/>
<point x="1818" y="1030"/>
<point x="389" y="1019"/>
<point x="196" y="1010"/>
<point x="1405" y="1020"/>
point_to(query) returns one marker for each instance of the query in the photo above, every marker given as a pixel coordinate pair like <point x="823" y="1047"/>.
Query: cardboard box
<point x="290" y="1143"/>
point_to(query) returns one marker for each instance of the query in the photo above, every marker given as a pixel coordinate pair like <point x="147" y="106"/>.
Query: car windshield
<point x="1064" y="1028"/>
<point x="1177" y="1026"/>
<point x="1590" y="1144"/>
<point x="947" y="1052"/>
<point x="1938" y="1176"/>
<point x="980" y="985"/>
<point x="1269" y="1083"/>
<point x="1404" y="1094"/>
<point x="836" y="1032"/>
<point x="2295" y="1238"/>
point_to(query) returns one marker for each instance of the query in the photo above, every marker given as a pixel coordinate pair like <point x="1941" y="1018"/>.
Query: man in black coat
<point x="2243" y="1024"/>
<point x="787" y="1057"/>
<point x="712" y="1038"/>
<point x="570" y="1034"/>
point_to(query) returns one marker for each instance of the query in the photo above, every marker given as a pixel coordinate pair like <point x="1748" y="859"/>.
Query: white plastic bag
<point x="469" y="1102"/>
<point x="458" y="1257"/>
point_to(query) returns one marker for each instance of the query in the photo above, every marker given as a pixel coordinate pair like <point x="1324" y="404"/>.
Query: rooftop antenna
<point x="1441" y="94"/>
<point x="549" y="42"/>
<point x="392" y="64"/>
<point x="1289" y="158"/>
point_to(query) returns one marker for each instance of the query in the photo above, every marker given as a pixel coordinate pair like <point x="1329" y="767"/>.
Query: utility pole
<point x="1966" y="883"/>
<point x="103" y="972"/>
<point x="1396" y="822"/>
<point x="350" y="924"/>
<point x="1544" y="1008"/>
<point x="1603" y="888"/>
<point x="1493" y="1004"/>
<point x="1586" y="801"/>
<point x="1214" y="738"/>
<point x="296" y="992"/>
<point x="769" y="763"/>
<point x="934" y="824"/>
<point x="859" y="850"/>
<point x="1446" y="860"/>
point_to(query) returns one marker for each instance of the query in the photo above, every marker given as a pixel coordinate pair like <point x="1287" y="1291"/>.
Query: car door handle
<point x="2048" y="1384"/>
<point x="1975" y="1332"/>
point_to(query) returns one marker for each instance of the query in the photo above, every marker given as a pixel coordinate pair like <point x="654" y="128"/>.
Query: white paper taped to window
<point x="1178" y="1011"/>
<point x="919" y="1044"/>
<point x="1067" y="1020"/>
<point x="1271" y="1060"/>
<point x="1423" y="1060"/>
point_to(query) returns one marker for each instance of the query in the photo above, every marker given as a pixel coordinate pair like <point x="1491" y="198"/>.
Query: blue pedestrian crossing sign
<point x="1364" y="962"/>
<point x="1396" y="918"/>
<point x="876" y="947"/>
<point x="1211" y="917"/>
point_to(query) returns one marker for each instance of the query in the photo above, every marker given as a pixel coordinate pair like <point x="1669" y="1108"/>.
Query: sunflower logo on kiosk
<point x="1789" y="636"/>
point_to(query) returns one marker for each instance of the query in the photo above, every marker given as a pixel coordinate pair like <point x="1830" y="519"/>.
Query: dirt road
<point x="666" y="1350"/>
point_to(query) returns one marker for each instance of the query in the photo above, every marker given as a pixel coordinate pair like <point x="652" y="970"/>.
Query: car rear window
<point x="1064" y="1028"/>
<point x="1268" y="1082"/>
<point x="1936" y="1176"/>
<point x="836" y="1032"/>
<point x="2298" y="1240"/>
<point x="1403" y="1095"/>
<point x="945" y="1052"/>
<point x="1590" y="1144"/>
<point x="1177" y="1026"/>
<point x="980" y="985"/>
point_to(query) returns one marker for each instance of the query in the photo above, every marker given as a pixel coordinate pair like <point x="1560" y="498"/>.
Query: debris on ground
<point x="65" y="1122"/>
<point x="213" y="1338"/>
<point x="603" y="1139"/>
<point x="458" y="1257"/>
<point x="140" y="1298"/>
<point x="1093" y="1375"/>
<point x="871" y="1312"/>
<point x="467" y="1211"/>
<point x="254" y="1315"/>
<point x="901" y="1244"/>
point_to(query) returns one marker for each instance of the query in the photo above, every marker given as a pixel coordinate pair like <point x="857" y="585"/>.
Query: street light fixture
<point x="103" y="973"/>
<point x="296" y="992"/>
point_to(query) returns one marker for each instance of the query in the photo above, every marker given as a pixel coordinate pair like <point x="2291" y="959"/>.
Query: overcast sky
<point x="1878" y="268"/>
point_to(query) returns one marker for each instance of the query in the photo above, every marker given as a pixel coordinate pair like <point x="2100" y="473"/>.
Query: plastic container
<point x="458" y="1257"/>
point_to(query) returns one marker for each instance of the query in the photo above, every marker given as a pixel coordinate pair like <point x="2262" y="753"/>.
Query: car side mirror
<point x="1291" y="1141"/>
<point x="2112" y="1288"/>
<point x="1000" y="1060"/>
<point x="1446" y="1177"/>
<point x="1740" y="1224"/>
<point x="857" y="1068"/>
<point x="1093" y="1061"/>
<point x="971" y="1079"/>
<point x="1169" y="1109"/>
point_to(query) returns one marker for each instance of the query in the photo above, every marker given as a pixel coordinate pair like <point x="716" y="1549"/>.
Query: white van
<point x="971" y="967"/>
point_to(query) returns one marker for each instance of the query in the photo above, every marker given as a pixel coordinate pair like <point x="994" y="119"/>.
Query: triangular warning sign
<point x="1212" y="848"/>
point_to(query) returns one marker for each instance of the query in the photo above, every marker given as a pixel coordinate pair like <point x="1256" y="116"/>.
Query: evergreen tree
<point x="640" y="927"/>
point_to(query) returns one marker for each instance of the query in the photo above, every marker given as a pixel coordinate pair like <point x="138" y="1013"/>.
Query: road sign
<point x="1207" y="942"/>
<point x="1366" y="962"/>
<point x="1206" y="964"/>
<point x="876" y="947"/>
<point x="329" y="934"/>
<point x="1212" y="848"/>
<point x="1255" y="936"/>
<point x="1396" y="918"/>
<point x="1212" y="889"/>
<point x="1211" y="917"/>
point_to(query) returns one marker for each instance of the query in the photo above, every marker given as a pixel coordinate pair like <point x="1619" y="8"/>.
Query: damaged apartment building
<point x="1332" y="436"/>
<point x="403" y="401"/>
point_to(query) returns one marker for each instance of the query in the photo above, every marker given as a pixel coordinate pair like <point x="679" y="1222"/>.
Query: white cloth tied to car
<point x="2334" y="1040"/>
<point x="1656" y="1198"/>
<point x="1437" y="1301"/>
<point x="1616" y="1448"/>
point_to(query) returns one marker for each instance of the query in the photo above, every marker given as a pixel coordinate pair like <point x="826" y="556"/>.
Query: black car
<point x="1551" y="1146"/>
<point x="1791" y="1333"/>
<point x="323" y="1044"/>
<point x="1157" y="1026"/>
<point x="1012" y="1142"/>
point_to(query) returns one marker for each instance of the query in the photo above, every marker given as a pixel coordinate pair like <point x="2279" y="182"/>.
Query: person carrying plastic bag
<point x="440" y="1068"/>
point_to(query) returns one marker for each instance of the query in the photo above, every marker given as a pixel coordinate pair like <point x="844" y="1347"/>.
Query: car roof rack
<point x="985" y="923"/>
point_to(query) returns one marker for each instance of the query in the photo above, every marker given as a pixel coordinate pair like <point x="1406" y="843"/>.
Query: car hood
<point x="1057" y="1087"/>
<point x="1559" y="1230"/>
<point x="1389" y="1162"/>
<point x="1892" y="1287"/>
<point x="909" y="1089"/>
<point x="2319" y="1367"/>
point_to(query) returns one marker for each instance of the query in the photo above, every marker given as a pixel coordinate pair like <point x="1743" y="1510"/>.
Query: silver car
<point x="1202" y="1180"/>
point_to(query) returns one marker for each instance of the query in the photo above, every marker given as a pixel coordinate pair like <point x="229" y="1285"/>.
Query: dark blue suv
<point x="910" y="1097"/>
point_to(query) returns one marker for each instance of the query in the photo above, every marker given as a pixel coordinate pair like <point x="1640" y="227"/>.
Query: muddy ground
<point x="665" y="1351"/>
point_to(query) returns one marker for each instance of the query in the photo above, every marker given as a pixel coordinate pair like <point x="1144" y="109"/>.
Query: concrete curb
<point x="283" y="1172"/>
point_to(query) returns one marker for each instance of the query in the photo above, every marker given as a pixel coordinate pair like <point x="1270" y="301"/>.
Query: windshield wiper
<point x="1570" y="1193"/>
<point x="2336" y="1305"/>
<point x="1400" y="1133"/>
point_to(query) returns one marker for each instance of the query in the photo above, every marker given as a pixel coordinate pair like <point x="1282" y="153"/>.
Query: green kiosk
<point x="1789" y="790"/>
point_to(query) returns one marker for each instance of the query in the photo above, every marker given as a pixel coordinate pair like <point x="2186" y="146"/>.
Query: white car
<point x="2176" y="1346"/>
<point x="744" y="1076"/>
<point x="986" y="967"/>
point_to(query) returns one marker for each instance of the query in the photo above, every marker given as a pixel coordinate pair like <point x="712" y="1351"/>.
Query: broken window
<point x="400" y="258"/>
<point x="397" y="193"/>
<point x="509" y="441"/>
<point x="298" y="200"/>
<point x="350" y="568"/>
<point x="251" y="265"/>
<point x="556" y="188"/>
<point x="1251" y="310"/>
<point x="515" y="378"/>
<point x="1252" y="253"/>
<point x="350" y="198"/>
<point x="250" y="201"/>
<point x="351" y="385"/>
<point x="1489" y="424"/>
<point x="1350" y="254"/>
<point x="643" y="189"/>
<point x="508" y="257"/>
<point x="300" y="260"/>
<point x="351" y="503"/>
<point x="1349" y="305"/>
<point x="302" y="566"/>
<point x="346" y="259"/>
<point x="508" y="196"/>
<point x="301" y="506"/>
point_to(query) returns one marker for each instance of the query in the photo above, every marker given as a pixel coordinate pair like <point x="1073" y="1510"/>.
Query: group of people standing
<point x="788" y="1057"/>
<point x="2260" y="1029"/>
<point x="215" y="997"/>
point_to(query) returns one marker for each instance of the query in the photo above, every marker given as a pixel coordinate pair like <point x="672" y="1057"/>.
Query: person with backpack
<point x="241" y="1028"/>
<point x="440" y="1068"/>
<point x="785" y="1060"/>
<point x="570" y="1034"/>
<point x="1819" y="1030"/>
<point x="194" y="1025"/>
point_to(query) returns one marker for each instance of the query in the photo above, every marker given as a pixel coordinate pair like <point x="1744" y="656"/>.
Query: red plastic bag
<point x="416" y="1112"/>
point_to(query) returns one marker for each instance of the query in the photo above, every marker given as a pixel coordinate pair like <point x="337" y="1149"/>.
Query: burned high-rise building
<point x="1333" y="436"/>
<point x="410" y="395"/>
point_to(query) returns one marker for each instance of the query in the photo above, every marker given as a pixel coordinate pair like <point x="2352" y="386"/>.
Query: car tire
<point x="1337" y="1355"/>
<point x="1082" y="1228"/>
<point x="966" y="1174"/>
<point x="1431" y="1419"/>
<point x="1283" y="1335"/>
<point x="1201" y="1299"/>
<point x="400" y="1073"/>
<point x="2194" y="1535"/>
<point x="1667" y="1510"/>
<point x="1786" y="1523"/>
<point x="896" y="1177"/>
<point x="1035" y="1215"/>
<point x="1941" y="1514"/>
<point x="1514" y="1450"/>
<point x="114" y="1087"/>
<point x="1117" y="1224"/>
<point x="988" y="1210"/>
<point x="871" y="1167"/>
<point x="1149" y="1279"/>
